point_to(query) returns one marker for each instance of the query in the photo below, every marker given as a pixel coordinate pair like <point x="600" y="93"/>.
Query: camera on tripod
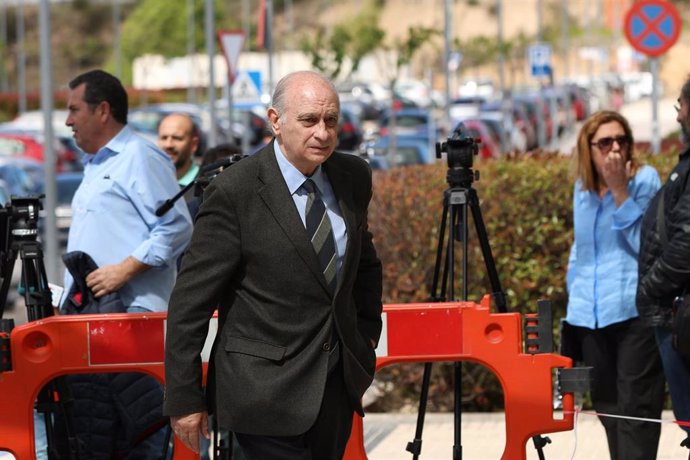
<point x="19" y="231"/>
<point x="460" y="149"/>
<point x="19" y="219"/>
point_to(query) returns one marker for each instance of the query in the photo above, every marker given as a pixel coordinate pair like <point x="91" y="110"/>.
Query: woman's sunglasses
<point x="606" y="143"/>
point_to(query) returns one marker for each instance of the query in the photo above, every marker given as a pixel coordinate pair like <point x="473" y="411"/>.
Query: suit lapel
<point x="275" y="194"/>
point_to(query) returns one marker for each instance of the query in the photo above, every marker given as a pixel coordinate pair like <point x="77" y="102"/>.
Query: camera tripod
<point x="456" y="200"/>
<point x="18" y="229"/>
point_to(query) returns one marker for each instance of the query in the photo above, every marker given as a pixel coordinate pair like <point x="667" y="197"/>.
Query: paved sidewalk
<point x="483" y="438"/>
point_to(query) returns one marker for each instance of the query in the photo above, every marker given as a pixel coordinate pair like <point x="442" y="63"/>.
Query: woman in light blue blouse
<point x="610" y="196"/>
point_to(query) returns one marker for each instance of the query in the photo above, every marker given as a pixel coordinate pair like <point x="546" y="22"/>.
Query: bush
<point x="526" y="205"/>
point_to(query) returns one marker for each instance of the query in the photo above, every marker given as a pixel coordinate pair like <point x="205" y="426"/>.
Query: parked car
<point x="519" y="120"/>
<point x="16" y="179"/>
<point x="508" y="136"/>
<point x="350" y="134"/>
<point x="409" y="150"/>
<point x="410" y="121"/>
<point x="465" y="107"/>
<point x="31" y="125"/>
<point x="67" y="184"/>
<point x="415" y="91"/>
<point x="247" y="119"/>
<point x="369" y="98"/>
<point x="4" y="193"/>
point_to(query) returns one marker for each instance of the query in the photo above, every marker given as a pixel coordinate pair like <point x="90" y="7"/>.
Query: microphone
<point x="165" y="207"/>
<point x="224" y="163"/>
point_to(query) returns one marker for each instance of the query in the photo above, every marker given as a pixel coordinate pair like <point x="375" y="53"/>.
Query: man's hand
<point x="110" y="278"/>
<point x="188" y="427"/>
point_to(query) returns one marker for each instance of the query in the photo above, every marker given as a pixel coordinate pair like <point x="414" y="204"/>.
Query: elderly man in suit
<point x="281" y="245"/>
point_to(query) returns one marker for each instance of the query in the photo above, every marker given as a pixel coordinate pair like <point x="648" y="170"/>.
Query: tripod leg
<point x="457" y="447"/>
<point x="415" y="446"/>
<point x="439" y="257"/>
<point x="498" y="294"/>
<point x="55" y="398"/>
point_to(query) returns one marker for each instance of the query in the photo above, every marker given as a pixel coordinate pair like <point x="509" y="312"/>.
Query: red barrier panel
<point x="74" y="344"/>
<point x="44" y="349"/>
<point x="469" y="332"/>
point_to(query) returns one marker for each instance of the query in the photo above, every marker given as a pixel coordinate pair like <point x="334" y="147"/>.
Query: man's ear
<point x="103" y="111"/>
<point x="274" y="120"/>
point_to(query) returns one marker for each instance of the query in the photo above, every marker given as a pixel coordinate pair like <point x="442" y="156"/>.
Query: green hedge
<point x="526" y="205"/>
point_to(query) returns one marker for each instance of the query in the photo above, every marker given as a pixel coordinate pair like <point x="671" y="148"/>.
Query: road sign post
<point x="231" y="42"/>
<point x="652" y="27"/>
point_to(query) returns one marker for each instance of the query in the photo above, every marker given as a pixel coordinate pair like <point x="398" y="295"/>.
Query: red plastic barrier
<point x="469" y="332"/>
<point x="45" y="349"/>
<point x="74" y="344"/>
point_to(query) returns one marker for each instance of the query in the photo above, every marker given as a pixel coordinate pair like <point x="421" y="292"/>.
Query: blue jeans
<point x="677" y="371"/>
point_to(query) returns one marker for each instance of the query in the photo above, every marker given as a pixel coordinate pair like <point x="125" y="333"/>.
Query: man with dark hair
<point x="100" y="86"/>
<point x="126" y="179"/>
<point x="282" y="247"/>
<point x="664" y="266"/>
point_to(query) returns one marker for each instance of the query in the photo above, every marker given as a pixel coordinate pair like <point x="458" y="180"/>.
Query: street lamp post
<point x="211" y="52"/>
<point x="21" y="57"/>
<point x="51" y="242"/>
<point x="117" y="41"/>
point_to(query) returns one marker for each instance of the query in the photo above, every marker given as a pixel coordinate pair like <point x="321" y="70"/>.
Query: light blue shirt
<point x="113" y="217"/>
<point x="294" y="180"/>
<point x="602" y="270"/>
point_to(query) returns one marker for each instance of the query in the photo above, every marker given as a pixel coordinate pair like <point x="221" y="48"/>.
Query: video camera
<point x="19" y="231"/>
<point x="460" y="149"/>
<point x="19" y="220"/>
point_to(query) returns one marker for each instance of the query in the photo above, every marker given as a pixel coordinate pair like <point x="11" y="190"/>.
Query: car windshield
<point x="66" y="189"/>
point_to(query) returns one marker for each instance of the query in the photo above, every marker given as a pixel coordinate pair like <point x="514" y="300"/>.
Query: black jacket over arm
<point x="251" y="257"/>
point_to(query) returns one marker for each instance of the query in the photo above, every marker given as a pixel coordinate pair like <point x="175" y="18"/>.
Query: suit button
<point x="326" y="346"/>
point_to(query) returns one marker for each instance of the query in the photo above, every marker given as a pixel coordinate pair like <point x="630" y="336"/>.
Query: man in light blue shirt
<point x="125" y="180"/>
<point x="114" y="221"/>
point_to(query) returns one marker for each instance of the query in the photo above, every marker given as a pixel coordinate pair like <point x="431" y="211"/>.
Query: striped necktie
<point x="320" y="232"/>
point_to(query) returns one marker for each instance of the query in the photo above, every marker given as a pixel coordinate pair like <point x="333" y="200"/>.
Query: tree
<point x="160" y="27"/>
<point x="340" y="50"/>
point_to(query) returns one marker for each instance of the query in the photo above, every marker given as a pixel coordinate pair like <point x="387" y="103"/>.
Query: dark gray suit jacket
<point x="251" y="257"/>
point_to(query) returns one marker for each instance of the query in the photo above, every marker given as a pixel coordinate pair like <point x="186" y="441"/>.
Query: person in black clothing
<point x="664" y="265"/>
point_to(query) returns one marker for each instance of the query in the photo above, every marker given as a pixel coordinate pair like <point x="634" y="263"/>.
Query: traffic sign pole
<point x="656" y="136"/>
<point x="652" y="27"/>
<point x="231" y="42"/>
